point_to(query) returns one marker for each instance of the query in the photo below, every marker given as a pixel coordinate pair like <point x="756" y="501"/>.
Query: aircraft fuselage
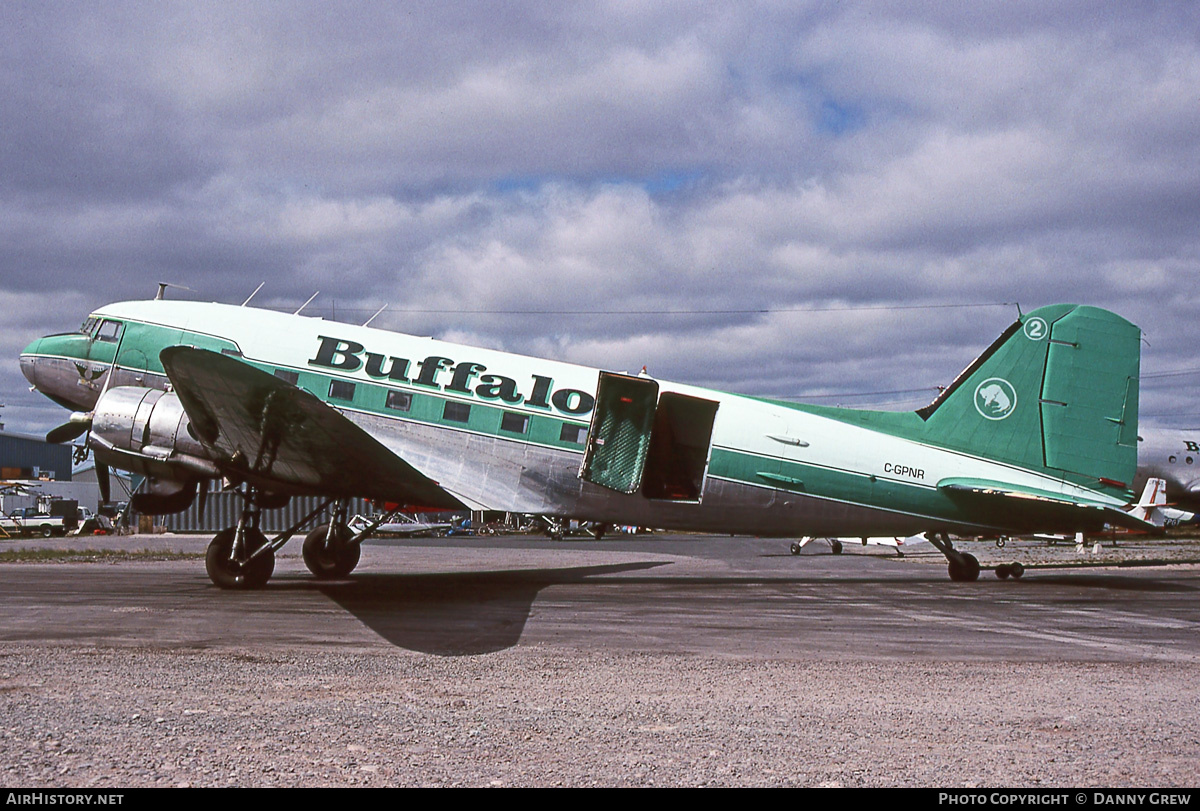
<point x="509" y="432"/>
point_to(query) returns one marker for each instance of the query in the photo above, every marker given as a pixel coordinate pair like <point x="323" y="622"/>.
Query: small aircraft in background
<point x="1152" y="507"/>
<point x="1038" y="434"/>
<point x="1174" y="457"/>
<point x="836" y="545"/>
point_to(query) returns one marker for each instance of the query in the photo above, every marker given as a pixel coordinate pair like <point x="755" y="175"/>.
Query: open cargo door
<point x="641" y="441"/>
<point x="679" y="447"/>
<point x="619" y="438"/>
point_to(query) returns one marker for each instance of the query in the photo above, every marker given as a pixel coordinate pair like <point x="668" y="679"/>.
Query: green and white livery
<point x="1038" y="434"/>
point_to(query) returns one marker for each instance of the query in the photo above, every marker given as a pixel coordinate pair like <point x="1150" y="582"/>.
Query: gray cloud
<point x="467" y="164"/>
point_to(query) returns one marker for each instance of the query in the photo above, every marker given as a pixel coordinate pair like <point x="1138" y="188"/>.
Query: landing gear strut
<point x="962" y="566"/>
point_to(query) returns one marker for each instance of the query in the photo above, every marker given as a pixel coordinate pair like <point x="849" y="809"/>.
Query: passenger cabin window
<point x="341" y="390"/>
<point x="573" y="433"/>
<point x="398" y="400"/>
<point x="288" y="376"/>
<point x="514" y="422"/>
<point x="109" y="332"/>
<point x="456" y="412"/>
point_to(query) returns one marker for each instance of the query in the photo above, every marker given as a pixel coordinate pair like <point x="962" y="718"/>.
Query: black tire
<point x="964" y="568"/>
<point x="795" y="548"/>
<point x="335" y="560"/>
<point x="47" y="531"/>
<point x="1016" y="569"/>
<point x="228" y="574"/>
<point x="835" y="546"/>
<point x="1003" y="571"/>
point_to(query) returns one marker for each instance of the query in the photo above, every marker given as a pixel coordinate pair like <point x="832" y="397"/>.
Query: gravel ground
<point x="102" y="718"/>
<point x="117" y="717"/>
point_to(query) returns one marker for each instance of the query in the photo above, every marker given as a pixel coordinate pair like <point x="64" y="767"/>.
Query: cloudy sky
<point x="839" y="203"/>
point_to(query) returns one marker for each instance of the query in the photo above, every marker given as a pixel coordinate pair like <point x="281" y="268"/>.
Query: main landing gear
<point x="332" y="550"/>
<point x="241" y="557"/>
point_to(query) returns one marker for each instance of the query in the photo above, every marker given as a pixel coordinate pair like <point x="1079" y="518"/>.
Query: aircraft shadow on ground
<point x="455" y="614"/>
<point x="471" y="613"/>
<point x="1114" y="582"/>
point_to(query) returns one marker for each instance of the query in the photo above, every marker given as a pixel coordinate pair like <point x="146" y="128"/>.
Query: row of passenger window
<point x="453" y="410"/>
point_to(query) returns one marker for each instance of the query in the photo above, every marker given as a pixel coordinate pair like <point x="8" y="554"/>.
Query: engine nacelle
<point x="146" y="431"/>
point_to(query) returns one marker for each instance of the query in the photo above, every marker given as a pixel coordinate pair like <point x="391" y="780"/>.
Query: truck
<point x="56" y="518"/>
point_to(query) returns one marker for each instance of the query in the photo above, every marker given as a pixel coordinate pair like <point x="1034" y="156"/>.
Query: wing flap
<point x="284" y="439"/>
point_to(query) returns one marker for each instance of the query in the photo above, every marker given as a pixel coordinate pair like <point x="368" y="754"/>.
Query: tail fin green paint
<point x="1058" y="391"/>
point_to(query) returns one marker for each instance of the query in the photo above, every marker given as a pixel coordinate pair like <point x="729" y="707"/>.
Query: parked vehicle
<point x="28" y="521"/>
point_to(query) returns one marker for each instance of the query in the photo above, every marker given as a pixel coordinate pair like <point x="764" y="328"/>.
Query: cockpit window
<point x="109" y="332"/>
<point x="89" y="326"/>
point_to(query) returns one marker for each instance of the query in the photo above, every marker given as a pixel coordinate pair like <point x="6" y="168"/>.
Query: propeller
<point x="78" y="423"/>
<point x="102" y="480"/>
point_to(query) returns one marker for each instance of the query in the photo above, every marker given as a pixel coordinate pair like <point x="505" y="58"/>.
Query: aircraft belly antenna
<point x="255" y="293"/>
<point x="305" y="304"/>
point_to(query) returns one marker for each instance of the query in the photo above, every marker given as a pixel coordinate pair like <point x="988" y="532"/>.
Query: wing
<point x="1029" y="509"/>
<point x="282" y="438"/>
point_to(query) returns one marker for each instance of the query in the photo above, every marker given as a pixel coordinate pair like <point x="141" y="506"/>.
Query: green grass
<point x="91" y="555"/>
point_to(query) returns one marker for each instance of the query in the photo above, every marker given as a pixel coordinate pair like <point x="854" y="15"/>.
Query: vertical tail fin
<point x="1154" y="496"/>
<point x="1057" y="391"/>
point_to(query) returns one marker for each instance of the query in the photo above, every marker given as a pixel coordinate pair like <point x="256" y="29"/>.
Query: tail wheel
<point x="963" y="567"/>
<point x="239" y="574"/>
<point x="330" y="559"/>
<point x="795" y="548"/>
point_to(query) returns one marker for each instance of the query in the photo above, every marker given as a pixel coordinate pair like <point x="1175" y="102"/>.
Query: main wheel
<point x="963" y="568"/>
<point x="1016" y="569"/>
<point x="232" y="574"/>
<point x="333" y="560"/>
<point x="1003" y="571"/>
<point x="835" y="546"/>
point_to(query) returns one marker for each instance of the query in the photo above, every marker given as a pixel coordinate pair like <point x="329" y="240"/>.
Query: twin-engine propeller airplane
<point x="1039" y="434"/>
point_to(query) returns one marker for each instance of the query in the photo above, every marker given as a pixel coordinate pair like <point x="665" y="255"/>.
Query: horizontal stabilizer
<point x="1032" y="510"/>
<point x="282" y="438"/>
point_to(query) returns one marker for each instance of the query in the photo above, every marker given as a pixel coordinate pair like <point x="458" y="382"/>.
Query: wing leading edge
<point x="284" y="439"/>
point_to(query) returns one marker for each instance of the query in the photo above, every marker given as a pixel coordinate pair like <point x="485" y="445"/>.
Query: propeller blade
<point x="103" y="480"/>
<point x="77" y="425"/>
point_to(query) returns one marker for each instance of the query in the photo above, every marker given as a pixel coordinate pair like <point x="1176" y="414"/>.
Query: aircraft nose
<point x="29" y="365"/>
